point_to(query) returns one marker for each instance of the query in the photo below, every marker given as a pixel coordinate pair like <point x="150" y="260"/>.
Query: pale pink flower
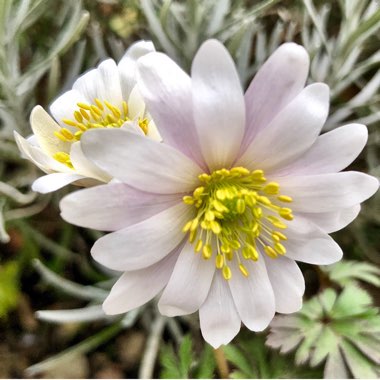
<point x="104" y="97"/>
<point x="242" y="188"/>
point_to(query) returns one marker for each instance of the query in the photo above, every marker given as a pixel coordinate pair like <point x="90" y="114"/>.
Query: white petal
<point x="142" y="244"/>
<point x="44" y="127"/>
<point x="64" y="106"/>
<point x="113" y="206"/>
<point x="189" y="284"/>
<point x="291" y="132"/>
<point x="38" y="157"/>
<point x="127" y="65"/>
<point x="52" y="182"/>
<point x="287" y="282"/>
<point x="331" y="153"/>
<point x="218" y="100"/>
<point x="136" y="105"/>
<point x="102" y="83"/>
<point x="84" y="166"/>
<point x="139" y="161"/>
<point x="277" y="82"/>
<point x="134" y="289"/>
<point x="328" y="192"/>
<point x="219" y="319"/>
<point x="333" y="221"/>
<point x="253" y="295"/>
<point x="166" y="89"/>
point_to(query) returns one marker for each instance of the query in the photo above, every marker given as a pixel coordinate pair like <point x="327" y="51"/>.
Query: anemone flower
<point x="104" y="97"/>
<point x="241" y="189"/>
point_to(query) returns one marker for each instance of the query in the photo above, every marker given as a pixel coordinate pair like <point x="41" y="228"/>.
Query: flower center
<point x="237" y="211"/>
<point x="101" y="114"/>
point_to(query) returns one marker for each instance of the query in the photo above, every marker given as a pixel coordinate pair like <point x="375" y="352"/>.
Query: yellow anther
<point x="204" y="177"/>
<point x="257" y="212"/>
<point x="270" y="252"/>
<point x="125" y="108"/>
<point x="198" y="246"/>
<point x="219" y="206"/>
<point x="188" y="200"/>
<point x="62" y="157"/>
<point x="61" y="137"/>
<point x="280" y="249"/>
<point x="84" y="114"/>
<point x="271" y="188"/>
<point x="70" y="122"/>
<point x="280" y="235"/>
<point x="280" y="225"/>
<point x="215" y="227"/>
<point x="230" y="255"/>
<point x="240" y="206"/>
<point x="194" y="224"/>
<point x="257" y="174"/>
<point x="192" y="236"/>
<point x="96" y="109"/>
<point x="243" y="270"/>
<point x="65" y="132"/>
<point x="78" y="116"/>
<point x="264" y="200"/>
<point x="221" y="194"/>
<point x="225" y="248"/>
<point x="226" y="272"/>
<point x="207" y="251"/>
<point x="285" y="198"/>
<point x="99" y="104"/>
<point x="198" y="191"/>
<point x="219" y="261"/>
<point x="84" y="106"/>
<point x="78" y="135"/>
<point x="240" y="170"/>
<point x="235" y="244"/>
<point x="187" y="226"/>
<point x="209" y="215"/>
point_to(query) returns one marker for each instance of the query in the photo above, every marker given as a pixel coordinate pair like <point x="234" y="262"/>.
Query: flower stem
<point x="221" y="363"/>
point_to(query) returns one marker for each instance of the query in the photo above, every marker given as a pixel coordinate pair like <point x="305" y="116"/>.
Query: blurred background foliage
<point x="45" y="263"/>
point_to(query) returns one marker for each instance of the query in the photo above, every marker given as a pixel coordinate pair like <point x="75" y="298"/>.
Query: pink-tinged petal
<point x="82" y="165"/>
<point x="38" y="157"/>
<point x="102" y="83"/>
<point x="218" y="101"/>
<point x="113" y="206"/>
<point x="44" y="127"/>
<point x="287" y="282"/>
<point x="55" y="181"/>
<point x="333" y="221"/>
<point x="291" y="132"/>
<point x="134" y="289"/>
<point x="253" y="295"/>
<point x="328" y="192"/>
<point x="189" y="284"/>
<point x="141" y="162"/>
<point x="64" y="106"/>
<point x="128" y="65"/>
<point x="308" y="243"/>
<point x="143" y="244"/>
<point x="331" y="153"/>
<point x="166" y="89"/>
<point x="279" y="80"/>
<point x="219" y="319"/>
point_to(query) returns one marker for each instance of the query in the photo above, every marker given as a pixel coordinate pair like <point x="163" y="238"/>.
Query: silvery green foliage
<point x="23" y="62"/>
<point x="340" y="330"/>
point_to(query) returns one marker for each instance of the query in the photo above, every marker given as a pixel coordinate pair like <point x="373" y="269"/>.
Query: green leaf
<point x="185" y="356"/>
<point x="236" y="357"/>
<point x="206" y="365"/>
<point x="9" y="287"/>
<point x="169" y="363"/>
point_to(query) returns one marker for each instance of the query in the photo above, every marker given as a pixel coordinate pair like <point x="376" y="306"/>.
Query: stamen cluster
<point x="101" y="114"/>
<point x="237" y="211"/>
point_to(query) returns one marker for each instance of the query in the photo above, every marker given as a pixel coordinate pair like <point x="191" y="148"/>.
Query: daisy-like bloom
<point x="241" y="189"/>
<point x="104" y="97"/>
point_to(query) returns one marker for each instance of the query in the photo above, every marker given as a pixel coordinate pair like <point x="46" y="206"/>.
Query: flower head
<point x="104" y="97"/>
<point x="240" y="190"/>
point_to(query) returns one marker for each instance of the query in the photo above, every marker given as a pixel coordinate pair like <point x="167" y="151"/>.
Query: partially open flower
<point x="105" y="97"/>
<point x="242" y="188"/>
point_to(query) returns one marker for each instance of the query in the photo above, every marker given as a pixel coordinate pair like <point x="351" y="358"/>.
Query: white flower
<point x="105" y="97"/>
<point x="241" y="189"/>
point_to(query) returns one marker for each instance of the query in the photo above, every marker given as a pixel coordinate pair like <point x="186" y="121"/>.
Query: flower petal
<point x="280" y="79"/>
<point x="113" y="206"/>
<point x="287" y="282"/>
<point x="145" y="164"/>
<point x="328" y="192"/>
<point x="102" y="83"/>
<point x="135" y="288"/>
<point x="128" y="65"/>
<point x="52" y="182"/>
<point x="64" y="106"/>
<point x="333" y="221"/>
<point x="44" y="127"/>
<point x="219" y="319"/>
<point x="218" y="101"/>
<point x="166" y="89"/>
<point x="84" y="166"/>
<point x="332" y="152"/>
<point x="189" y="284"/>
<point x="136" y="105"/>
<point x="291" y="132"/>
<point x="143" y="244"/>
<point x="253" y="295"/>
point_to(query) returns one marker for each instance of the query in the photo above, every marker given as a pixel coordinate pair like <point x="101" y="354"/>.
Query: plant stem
<point x="221" y="363"/>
